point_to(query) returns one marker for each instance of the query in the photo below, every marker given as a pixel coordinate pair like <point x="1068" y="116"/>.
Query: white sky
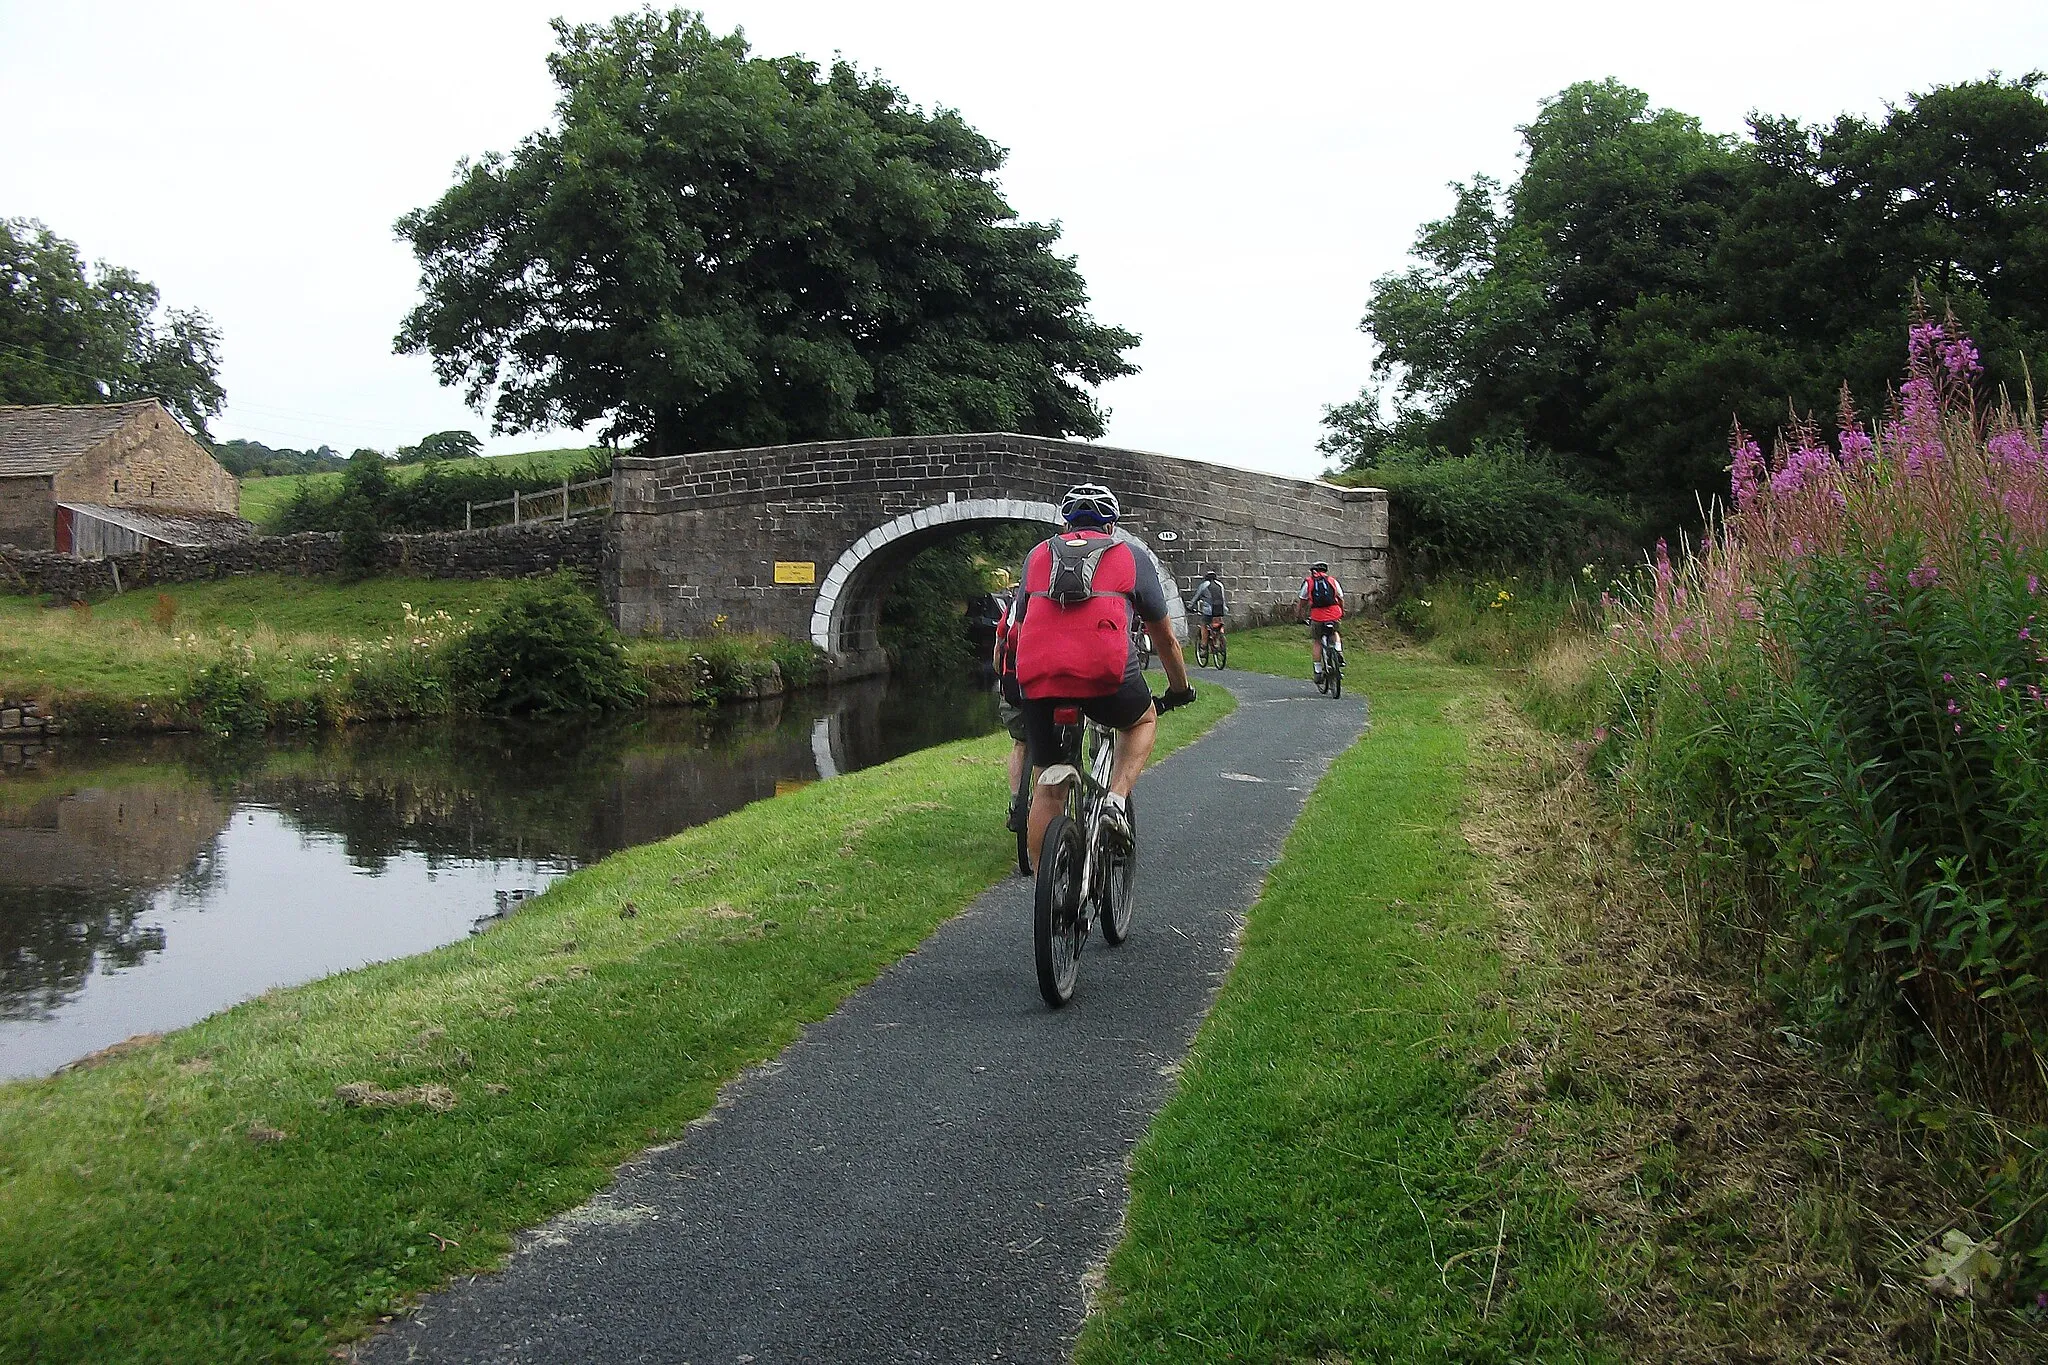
<point x="1231" y="178"/>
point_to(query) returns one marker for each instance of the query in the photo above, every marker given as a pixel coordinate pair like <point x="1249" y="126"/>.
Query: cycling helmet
<point x="1089" y="504"/>
<point x="1212" y="573"/>
<point x="1320" y="566"/>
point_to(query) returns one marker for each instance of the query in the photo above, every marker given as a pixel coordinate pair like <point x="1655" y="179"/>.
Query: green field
<point x="264" y="500"/>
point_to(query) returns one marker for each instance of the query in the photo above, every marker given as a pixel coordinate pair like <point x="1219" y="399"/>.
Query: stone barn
<point x="107" y="478"/>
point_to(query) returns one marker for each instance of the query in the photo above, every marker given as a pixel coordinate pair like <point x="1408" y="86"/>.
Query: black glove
<point x="1175" y="697"/>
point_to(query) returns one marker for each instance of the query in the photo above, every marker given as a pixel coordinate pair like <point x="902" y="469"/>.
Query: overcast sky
<point x="1231" y="179"/>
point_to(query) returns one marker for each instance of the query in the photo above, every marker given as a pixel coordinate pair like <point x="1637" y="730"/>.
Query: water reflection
<point x="147" y="883"/>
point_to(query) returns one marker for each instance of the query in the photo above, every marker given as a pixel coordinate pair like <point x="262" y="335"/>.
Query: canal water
<point x="147" y="883"/>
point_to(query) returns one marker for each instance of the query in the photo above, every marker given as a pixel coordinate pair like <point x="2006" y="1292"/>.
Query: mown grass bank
<point x="317" y="652"/>
<point x="1315" y="1191"/>
<point x="277" y="1177"/>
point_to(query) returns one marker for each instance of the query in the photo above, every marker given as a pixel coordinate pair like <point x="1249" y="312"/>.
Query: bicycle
<point x="1331" y="683"/>
<point x="1212" y="647"/>
<point x="1084" y="876"/>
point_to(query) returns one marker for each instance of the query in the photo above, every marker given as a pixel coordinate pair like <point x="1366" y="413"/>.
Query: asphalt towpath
<point x="931" y="1173"/>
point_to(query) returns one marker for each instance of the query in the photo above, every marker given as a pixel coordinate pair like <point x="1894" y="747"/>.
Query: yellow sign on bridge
<point x="795" y="571"/>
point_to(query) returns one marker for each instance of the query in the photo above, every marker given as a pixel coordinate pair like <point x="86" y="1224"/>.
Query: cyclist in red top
<point x="1323" y="596"/>
<point x="1071" y="628"/>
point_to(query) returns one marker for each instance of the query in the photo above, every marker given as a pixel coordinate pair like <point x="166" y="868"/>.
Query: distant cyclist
<point x="1210" y="606"/>
<point x="1322" y="597"/>
<point x="1071" y="624"/>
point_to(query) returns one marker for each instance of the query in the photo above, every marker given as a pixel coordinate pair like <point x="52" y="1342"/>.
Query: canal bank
<point x="272" y="651"/>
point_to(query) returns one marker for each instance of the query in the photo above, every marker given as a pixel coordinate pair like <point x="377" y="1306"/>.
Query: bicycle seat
<point x="1058" y="775"/>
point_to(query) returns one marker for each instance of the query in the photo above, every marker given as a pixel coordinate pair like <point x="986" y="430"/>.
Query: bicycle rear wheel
<point x="1335" y="673"/>
<point x="1056" y="912"/>
<point x="1114" y="890"/>
<point x="1221" y="654"/>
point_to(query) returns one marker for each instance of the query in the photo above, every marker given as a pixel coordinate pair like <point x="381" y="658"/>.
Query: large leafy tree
<point x="718" y="249"/>
<point x="73" y="334"/>
<point x="1643" y="283"/>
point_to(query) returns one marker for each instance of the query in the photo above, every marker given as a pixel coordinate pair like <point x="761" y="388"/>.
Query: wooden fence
<point x="551" y="504"/>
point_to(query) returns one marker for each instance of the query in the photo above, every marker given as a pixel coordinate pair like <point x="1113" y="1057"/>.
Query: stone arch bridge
<point x="805" y="540"/>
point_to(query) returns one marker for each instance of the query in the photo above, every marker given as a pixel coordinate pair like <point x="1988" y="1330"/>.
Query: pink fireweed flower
<point x="1923" y="576"/>
<point x="1747" y="610"/>
<point x="1875" y="581"/>
<point x="1746" y="472"/>
<point x="1959" y="357"/>
<point x="2002" y="683"/>
<point x="1856" y="445"/>
<point x="1954" y="709"/>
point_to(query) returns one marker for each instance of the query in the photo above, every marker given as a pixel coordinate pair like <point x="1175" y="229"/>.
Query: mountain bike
<point x="1084" y="871"/>
<point x="1212" y="647"/>
<point x="1331" y="684"/>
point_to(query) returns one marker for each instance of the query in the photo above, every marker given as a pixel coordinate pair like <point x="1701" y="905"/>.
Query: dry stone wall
<point x="503" y="552"/>
<point x="696" y="537"/>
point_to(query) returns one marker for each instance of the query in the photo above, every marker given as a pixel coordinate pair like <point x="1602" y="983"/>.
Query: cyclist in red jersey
<point x="1070" y="625"/>
<point x="1322" y="596"/>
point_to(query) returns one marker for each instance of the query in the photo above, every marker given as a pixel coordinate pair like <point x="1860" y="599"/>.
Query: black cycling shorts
<point x="1120" y="710"/>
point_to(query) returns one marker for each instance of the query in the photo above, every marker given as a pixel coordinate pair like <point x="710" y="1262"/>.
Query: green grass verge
<point x="214" y="1196"/>
<point x="1315" y="1191"/>
<point x="120" y="665"/>
<point x="264" y="499"/>
<point x="113" y="659"/>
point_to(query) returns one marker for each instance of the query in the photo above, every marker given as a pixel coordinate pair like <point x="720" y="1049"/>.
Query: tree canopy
<point x="69" y="334"/>
<point x="1645" y="283"/>
<point x="718" y="249"/>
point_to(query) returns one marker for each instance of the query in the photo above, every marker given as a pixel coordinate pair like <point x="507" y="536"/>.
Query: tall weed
<point x="1835" y="710"/>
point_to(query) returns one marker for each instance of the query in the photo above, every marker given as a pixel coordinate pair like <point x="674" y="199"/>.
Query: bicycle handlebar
<point x="1174" y="699"/>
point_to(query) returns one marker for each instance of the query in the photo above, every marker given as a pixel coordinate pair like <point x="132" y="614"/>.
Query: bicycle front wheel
<point x="1114" y="890"/>
<point x="1056" y="911"/>
<point x="1336" y="675"/>
<point x="1221" y="654"/>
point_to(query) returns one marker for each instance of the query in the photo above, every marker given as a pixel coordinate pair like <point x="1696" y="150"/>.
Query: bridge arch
<point x="845" y="615"/>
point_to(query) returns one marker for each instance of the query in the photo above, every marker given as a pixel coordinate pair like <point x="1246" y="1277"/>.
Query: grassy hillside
<point x="264" y="500"/>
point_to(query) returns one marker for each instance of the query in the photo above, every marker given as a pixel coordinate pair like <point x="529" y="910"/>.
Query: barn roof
<point x="45" y="438"/>
<point x="172" y="526"/>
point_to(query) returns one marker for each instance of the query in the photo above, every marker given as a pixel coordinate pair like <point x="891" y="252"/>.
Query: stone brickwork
<point x="695" y="537"/>
<point x="503" y="552"/>
<point x="149" y="462"/>
<point x="25" y="513"/>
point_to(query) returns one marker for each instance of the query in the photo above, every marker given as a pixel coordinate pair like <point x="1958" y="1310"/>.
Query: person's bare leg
<point x="1016" y="764"/>
<point x="1046" y="802"/>
<point x="1133" y="747"/>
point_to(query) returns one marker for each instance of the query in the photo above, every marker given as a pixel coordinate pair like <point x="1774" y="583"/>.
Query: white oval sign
<point x="1168" y="536"/>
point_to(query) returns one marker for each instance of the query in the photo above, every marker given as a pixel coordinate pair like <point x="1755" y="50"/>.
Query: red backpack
<point x="1075" y="639"/>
